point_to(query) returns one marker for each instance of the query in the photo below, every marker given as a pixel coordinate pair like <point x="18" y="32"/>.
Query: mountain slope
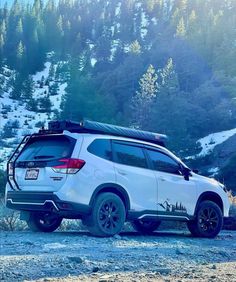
<point x="16" y="121"/>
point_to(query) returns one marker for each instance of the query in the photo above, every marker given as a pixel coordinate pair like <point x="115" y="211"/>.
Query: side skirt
<point x="157" y="215"/>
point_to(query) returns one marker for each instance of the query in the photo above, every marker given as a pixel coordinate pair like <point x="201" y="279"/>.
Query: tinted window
<point x="162" y="162"/>
<point x="129" y="155"/>
<point x="101" y="148"/>
<point x="46" y="148"/>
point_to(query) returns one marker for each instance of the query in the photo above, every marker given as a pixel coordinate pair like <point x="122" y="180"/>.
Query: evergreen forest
<point x="166" y="66"/>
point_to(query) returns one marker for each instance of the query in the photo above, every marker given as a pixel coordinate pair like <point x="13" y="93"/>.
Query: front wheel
<point x="44" y="221"/>
<point x="108" y="215"/>
<point x="145" y="227"/>
<point x="208" y="222"/>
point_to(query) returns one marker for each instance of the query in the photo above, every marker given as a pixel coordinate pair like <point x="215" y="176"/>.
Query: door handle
<point x="121" y="172"/>
<point x="162" y="179"/>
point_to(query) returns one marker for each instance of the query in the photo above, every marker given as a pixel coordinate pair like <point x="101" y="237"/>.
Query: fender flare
<point x="113" y="188"/>
<point x="210" y="196"/>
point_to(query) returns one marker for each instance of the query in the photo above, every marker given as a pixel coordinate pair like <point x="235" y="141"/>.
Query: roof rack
<point x="88" y="126"/>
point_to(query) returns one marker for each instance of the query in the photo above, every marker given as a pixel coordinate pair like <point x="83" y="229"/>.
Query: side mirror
<point x="195" y="171"/>
<point x="186" y="173"/>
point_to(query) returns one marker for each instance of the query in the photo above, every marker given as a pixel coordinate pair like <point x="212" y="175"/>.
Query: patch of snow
<point x="45" y="72"/>
<point x="144" y="25"/>
<point x="154" y="20"/>
<point x="117" y="10"/>
<point x="93" y="62"/>
<point x="213" y="171"/>
<point x="56" y="99"/>
<point x="112" y="30"/>
<point x="114" y="45"/>
<point x="91" y="46"/>
<point x="209" y="142"/>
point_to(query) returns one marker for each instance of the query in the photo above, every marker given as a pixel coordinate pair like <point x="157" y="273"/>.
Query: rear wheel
<point x="44" y="221"/>
<point x="208" y="222"/>
<point x="145" y="227"/>
<point x="108" y="215"/>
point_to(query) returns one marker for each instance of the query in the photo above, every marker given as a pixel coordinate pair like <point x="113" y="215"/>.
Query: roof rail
<point x="88" y="126"/>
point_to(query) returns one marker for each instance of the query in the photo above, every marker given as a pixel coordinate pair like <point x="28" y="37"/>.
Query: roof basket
<point x="88" y="126"/>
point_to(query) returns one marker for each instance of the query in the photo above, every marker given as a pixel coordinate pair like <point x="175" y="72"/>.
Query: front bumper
<point x="45" y="202"/>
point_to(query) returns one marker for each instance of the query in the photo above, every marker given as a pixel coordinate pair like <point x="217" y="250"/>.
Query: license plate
<point x="31" y="174"/>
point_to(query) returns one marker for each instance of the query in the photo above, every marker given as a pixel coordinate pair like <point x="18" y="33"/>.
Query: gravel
<point x="77" y="256"/>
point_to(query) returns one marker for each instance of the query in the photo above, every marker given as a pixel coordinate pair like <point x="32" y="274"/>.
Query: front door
<point x="176" y="196"/>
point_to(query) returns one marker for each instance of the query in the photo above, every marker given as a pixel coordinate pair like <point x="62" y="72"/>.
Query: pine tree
<point x="135" y="48"/>
<point x="1" y="49"/>
<point x="51" y="74"/>
<point x="20" y="51"/>
<point x="53" y="89"/>
<point x="27" y="89"/>
<point x="180" y="29"/>
<point x="141" y="102"/>
<point x="169" y="81"/>
<point x="16" y="85"/>
<point x="45" y="104"/>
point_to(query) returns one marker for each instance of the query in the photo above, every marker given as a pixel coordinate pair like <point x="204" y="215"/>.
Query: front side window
<point x="129" y="155"/>
<point x="101" y="148"/>
<point x="162" y="162"/>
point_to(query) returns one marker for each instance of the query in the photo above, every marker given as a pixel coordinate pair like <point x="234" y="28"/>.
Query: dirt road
<point x="76" y="256"/>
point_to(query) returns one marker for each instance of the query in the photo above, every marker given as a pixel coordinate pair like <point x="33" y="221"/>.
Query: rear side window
<point x="129" y="155"/>
<point x="47" y="148"/>
<point x="101" y="148"/>
<point x="162" y="162"/>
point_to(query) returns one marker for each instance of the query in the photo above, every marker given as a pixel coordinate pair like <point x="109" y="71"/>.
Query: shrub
<point x="10" y="219"/>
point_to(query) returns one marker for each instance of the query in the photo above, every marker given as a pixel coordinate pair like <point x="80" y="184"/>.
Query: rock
<point x="179" y="252"/>
<point x="105" y="278"/>
<point x="116" y="236"/>
<point x="213" y="266"/>
<point x="163" y="270"/>
<point x="29" y="243"/>
<point x="223" y="253"/>
<point x="95" y="269"/>
<point x="75" y="259"/>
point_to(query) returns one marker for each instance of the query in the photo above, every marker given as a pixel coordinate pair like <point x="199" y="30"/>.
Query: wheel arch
<point x="210" y="196"/>
<point x="112" y="188"/>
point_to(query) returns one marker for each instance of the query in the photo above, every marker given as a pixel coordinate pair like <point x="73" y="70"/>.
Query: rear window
<point x="101" y="148"/>
<point x="47" y="148"/>
<point x="129" y="155"/>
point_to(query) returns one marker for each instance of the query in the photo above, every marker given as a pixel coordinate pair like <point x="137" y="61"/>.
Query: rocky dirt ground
<point x="77" y="256"/>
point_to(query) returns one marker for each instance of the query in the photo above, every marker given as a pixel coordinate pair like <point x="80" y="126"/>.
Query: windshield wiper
<point x="44" y="157"/>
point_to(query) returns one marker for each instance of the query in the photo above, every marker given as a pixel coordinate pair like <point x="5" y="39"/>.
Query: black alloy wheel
<point x="108" y="215"/>
<point x="44" y="221"/>
<point x="145" y="227"/>
<point x="208" y="222"/>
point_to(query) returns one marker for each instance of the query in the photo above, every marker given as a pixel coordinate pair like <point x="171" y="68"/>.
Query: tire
<point x="145" y="227"/>
<point x="208" y="222"/>
<point x="108" y="216"/>
<point x="44" y="221"/>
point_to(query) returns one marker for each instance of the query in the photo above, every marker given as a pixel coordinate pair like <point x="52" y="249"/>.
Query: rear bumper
<point x="45" y="202"/>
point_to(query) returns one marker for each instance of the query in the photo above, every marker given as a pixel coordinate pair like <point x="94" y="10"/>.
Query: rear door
<point x="34" y="166"/>
<point x="133" y="174"/>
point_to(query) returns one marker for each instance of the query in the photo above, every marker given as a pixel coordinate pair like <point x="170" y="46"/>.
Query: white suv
<point x="106" y="175"/>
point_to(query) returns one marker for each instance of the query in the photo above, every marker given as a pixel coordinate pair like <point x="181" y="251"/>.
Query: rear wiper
<point x="44" y="157"/>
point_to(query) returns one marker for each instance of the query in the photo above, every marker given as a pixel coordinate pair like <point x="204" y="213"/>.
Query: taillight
<point x="69" y="166"/>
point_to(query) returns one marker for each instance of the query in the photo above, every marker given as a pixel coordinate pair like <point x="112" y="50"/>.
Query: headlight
<point x="223" y="187"/>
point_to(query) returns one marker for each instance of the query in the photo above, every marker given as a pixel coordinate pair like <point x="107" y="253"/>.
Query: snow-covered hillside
<point x="14" y="112"/>
<point x="209" y="142"/>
